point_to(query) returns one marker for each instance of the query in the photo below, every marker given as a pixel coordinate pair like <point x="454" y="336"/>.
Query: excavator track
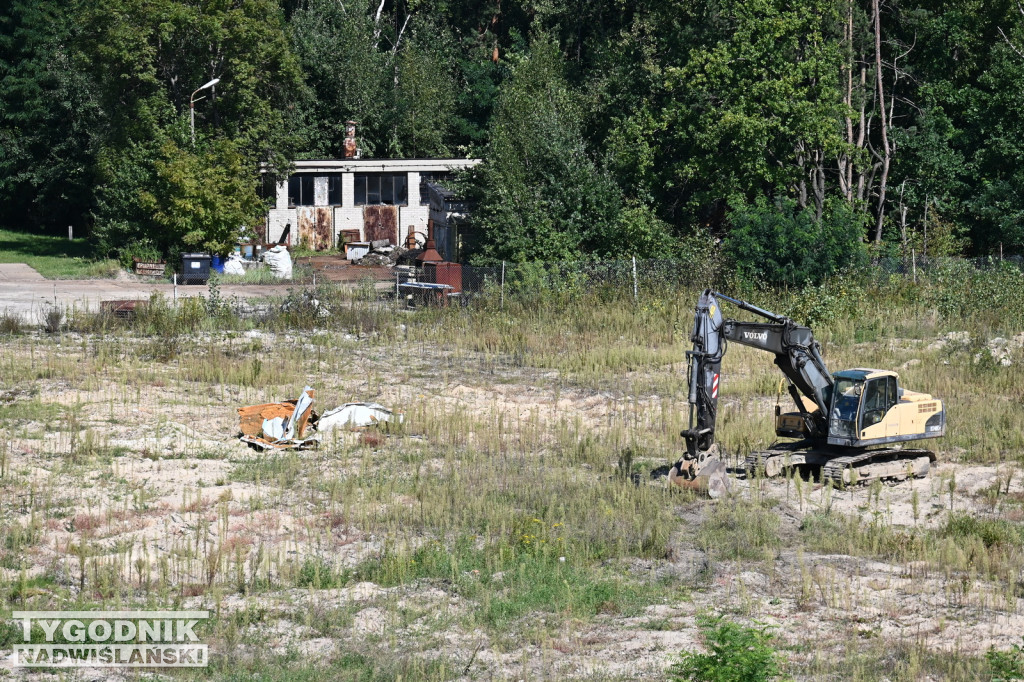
<point x="772" y="461"/>
<point x="887" y="464"/>
<point x="843" y="470"/>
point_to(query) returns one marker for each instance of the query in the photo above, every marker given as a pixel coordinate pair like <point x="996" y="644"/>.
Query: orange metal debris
<point x="251" y="418"/>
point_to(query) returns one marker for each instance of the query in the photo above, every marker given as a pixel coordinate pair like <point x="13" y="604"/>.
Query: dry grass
<point x="495" y="535"/>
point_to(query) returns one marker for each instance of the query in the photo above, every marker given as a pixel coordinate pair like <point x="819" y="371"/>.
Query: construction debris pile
<point x="295" y="425"/>
<point x="379" y="252"/>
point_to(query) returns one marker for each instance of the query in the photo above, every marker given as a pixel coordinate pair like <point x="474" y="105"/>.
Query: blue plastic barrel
<point x="217" y="263"/>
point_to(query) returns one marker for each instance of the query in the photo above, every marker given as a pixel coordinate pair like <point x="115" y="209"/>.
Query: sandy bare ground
<point x="180" y="466"/>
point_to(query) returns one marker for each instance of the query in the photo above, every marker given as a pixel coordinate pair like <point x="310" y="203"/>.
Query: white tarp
<point x="280" y="262"/>
<point x="233" y="265"/>
<point x="356" y="414"/>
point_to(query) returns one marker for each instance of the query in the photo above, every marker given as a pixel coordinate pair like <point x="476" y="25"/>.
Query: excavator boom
<point x="796" y="352"/>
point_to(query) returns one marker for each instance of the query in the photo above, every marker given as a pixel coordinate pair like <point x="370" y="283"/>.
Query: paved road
<point x="27" y="294"/>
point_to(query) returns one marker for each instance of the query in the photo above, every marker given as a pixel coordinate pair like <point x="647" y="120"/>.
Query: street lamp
<point x="192" y="107"/>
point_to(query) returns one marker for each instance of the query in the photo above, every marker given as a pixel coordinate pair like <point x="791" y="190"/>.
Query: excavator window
<point x="879" y="396"/>
<point x="846" y="394"/>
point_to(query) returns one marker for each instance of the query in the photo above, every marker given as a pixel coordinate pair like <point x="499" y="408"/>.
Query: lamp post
<point x="192" y="107"/>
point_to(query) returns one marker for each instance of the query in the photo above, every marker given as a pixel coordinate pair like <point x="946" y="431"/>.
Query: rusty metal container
<point x="444" y="273"/>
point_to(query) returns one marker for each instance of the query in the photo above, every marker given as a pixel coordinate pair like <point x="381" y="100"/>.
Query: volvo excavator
<point x="848" y="425"/>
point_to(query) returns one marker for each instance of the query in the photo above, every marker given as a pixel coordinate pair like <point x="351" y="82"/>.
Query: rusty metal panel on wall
<point x="381" y="222"/>
<point x="315" y="228"/>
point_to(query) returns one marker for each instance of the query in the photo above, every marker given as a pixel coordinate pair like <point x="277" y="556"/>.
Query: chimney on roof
<point x="351" y="146"/>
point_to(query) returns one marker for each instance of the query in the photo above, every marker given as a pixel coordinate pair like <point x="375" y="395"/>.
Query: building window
<point x="373" y="189"/>
<point x="268" y="188"/>
<point x="431" y="177"/>
<point x="300" y="190"/>
<point x="334" y="190"/>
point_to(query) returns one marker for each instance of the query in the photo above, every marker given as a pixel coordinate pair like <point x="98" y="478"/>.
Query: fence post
<point x="913" y="263"/>
<point x="174" y="301"/>
<point x="635" y="290"/>
<point x="502" y="285"/>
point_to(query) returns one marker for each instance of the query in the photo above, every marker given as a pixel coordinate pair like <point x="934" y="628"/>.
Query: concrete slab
<point x="31" y="300"/>
<point x="19" y="272"/>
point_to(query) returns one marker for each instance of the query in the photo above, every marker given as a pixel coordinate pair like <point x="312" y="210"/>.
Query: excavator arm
<point x="796" y="352"/>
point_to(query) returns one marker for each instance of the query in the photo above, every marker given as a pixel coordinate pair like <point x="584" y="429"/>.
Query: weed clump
<point x="736" y="653"/>
<point x="1006" y="665"/>
<point x="991" y="532"/>
<point x="10" y="325"/>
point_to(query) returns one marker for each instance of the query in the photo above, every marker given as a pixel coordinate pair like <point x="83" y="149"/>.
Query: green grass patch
<point x="54" y="257"/>
<point x="33" y="410"/>
<point x="834" y="533"/>
<point x="991" y="532"/>
<point x="511" y="580"/>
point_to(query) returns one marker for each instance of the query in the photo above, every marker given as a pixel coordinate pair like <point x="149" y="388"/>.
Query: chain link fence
<point x="614" y="278"/>
<point x="634" y="277"/>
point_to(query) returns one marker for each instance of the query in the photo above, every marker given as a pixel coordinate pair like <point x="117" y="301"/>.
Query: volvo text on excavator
<point x="850" y="425"/>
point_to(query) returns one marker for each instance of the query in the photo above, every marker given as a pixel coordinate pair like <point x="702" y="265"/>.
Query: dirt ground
<point x="171" y="455"/>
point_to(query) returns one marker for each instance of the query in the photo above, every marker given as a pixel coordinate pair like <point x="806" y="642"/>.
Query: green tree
<point x="539" y="195"/>
<point x="756" y="104"/>
<point x="202" y="200"/>
<point x="147" y="58"/>
<point x="48" y="112"/>
<point x="782" y="243"/>
<point x="350" y="77"/>
<point x="424" y="97"/>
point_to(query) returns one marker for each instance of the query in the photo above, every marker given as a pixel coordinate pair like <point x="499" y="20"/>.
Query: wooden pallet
<point x="150" y="268"/>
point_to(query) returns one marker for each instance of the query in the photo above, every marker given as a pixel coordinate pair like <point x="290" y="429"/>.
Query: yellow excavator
<point x="849" y="425"/>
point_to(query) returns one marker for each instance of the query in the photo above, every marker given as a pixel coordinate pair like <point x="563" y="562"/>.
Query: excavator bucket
<point x="711" y="479"/>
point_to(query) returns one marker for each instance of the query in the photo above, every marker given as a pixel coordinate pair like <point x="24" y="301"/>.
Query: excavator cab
<point x="869" y="408"/>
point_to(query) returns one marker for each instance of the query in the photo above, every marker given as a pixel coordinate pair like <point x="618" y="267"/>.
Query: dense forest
<point x="805" y="133"/>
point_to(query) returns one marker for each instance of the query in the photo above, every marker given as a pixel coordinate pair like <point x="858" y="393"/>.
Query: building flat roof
<point x="383" y="165"/>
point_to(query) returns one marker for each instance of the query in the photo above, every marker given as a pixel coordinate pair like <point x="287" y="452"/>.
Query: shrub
<point x="785" y="244"/>
<point x="144" y="249"/>
<point x="10" y="324"/>
<point x="991" y="532"/>
<point x="735" y="654"/>
<point x="1006" y="665"/>
<point x="961" y="292"/>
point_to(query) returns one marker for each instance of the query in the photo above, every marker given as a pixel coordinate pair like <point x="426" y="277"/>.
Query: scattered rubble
<point x="286" y="425"/>
<point x="279" y="425"/>
<point x="378" y="252"/>
<point x="1000" y="349"/>
<point x="955" y="338"/>
<point x="376" y="259"/>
